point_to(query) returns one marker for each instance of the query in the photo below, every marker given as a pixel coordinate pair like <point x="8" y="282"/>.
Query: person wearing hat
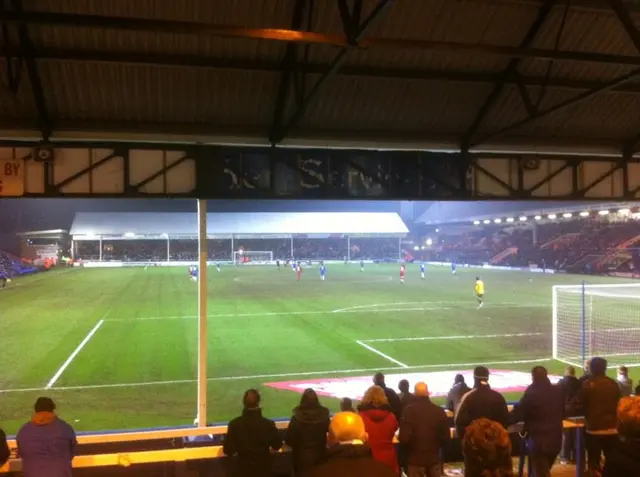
<point x="481" y="402"/>
<point x="46" y="443"/>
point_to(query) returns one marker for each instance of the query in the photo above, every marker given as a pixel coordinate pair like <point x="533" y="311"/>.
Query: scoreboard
<point x="11" y="178"/>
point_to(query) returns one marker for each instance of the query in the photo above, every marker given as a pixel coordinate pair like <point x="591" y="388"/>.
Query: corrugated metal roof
<point x="101" y="77"/>
<point x="266" y="223"/>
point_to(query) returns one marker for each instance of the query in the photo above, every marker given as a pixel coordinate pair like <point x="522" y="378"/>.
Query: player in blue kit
<point x="453" y="267"/>
<point x="193" y="273"/>
<point x="218" y="266"/>
<point x="422" y="271"/>
<point x="362" y="265"/>
<point x="294" y="267"/>
<point x="323" y="271"/>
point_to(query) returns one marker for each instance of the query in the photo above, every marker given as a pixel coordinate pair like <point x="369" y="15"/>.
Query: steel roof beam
<point x="229" y="31"/>
<point x="335" y="66"/>
<point x="509" y="71"/>
<point x="27" y="53"/>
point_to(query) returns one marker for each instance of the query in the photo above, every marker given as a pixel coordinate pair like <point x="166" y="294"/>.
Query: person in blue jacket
<point x="46" y="444"/>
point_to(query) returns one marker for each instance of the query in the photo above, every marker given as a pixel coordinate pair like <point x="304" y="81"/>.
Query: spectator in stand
<point x="348" y="455"/>
<point x="46" y="444"/>
<point x="625" y="459"/>
<point x="625" y="383"/>
<point x="4" y="449"/>
<point x="586" y="371"/>
<point x="250" y="439"/>
<point x="481" y="402"/>
<point x="392" y="397"/>
<point x="423" y="430"/>
<point x="381" y="426"/>
<point x="541" y="408"/>
<point x="598" y="400"/>
<point x="570" y="387"/>
<point x="487" y="450"/>
<point x="456" y="393"/>
<point x="405" y="395"/>
<point x="307" y="433"/>
<point x="346" y="405"/>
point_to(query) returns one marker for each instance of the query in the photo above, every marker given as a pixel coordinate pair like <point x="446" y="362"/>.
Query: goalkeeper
<point x="479" y="290"/>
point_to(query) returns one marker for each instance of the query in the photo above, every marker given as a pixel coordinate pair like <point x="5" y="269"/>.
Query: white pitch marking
<point x="86" y="339"/>
<point x="456" y="303"/>
<point x="455" y="337"/>
<point x="279" y="375"/>
<point x="380" y="353"/>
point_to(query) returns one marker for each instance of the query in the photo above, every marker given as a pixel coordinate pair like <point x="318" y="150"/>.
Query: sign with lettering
<point x="11" y="178"/>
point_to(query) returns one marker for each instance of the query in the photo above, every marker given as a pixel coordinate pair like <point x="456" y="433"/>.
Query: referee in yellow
<point x="479" y="292"/>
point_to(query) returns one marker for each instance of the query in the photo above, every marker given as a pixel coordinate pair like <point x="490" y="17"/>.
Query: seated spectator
<point x="456" y="393"/>
<point x="487" y="450"/>
<point x="626" y="384"/>
<point x="423" y="430"/>
<point x="541" y="408"/>
<point x="346" y="405"/>
<point x="481" y="402"/>
<point x="4" y="449"/>
<point x="307" y="433"/>
<point x="625" y="459"/>
<point x="250" y="439"/>
<point x="570" y="387"/>
<point x="348" y="455"/>
<point x="381" y="426"/>
<point x="598" y="400"/>
<point x="392" y="397"/>
<point x="405" y="396"/>
<point x="46" y="444"/>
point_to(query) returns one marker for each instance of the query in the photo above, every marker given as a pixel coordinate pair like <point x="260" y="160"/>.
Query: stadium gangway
<point x="127" y="459"/>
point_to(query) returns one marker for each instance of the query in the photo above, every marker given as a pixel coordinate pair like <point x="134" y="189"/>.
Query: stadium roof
<point x="500" y="74"/>
<point x="226" y="224"/>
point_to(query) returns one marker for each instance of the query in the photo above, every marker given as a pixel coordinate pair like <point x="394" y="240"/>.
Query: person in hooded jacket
<point x="456" y="393"/>
<point x="4" y="449"/>
<point x="46" y="444"/>
<point x="307" y="433"/>
<point x="570" y="386"/>
<point x="625" y="459"/>
<point x="381" y="425"/>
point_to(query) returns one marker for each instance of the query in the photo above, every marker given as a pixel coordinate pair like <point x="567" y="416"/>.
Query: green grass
<point x="261" y="322"/>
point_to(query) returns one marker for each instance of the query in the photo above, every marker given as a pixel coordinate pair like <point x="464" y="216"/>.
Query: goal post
<point x="254" y="257"/>
<point x="596" y="320"/>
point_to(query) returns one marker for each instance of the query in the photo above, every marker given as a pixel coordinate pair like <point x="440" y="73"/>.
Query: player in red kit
<point x="402" y="272"/>
<point x="299" y="271"/>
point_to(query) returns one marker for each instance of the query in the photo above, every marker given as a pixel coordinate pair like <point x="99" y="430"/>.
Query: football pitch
<point x="117" y="348"/>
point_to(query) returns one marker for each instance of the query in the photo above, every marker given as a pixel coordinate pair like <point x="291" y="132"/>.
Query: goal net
<point x="597" y="320"/>
<point x="245" y="256"/>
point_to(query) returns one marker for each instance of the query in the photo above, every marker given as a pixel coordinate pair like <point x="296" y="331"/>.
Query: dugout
<point x="232" y="237"/>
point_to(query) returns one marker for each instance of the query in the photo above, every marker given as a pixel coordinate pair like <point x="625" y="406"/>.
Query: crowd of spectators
<point x="391" y="435"/>
<point x="331" y="248"/>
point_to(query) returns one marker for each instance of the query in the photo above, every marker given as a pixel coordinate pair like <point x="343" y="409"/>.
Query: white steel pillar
<point x="202" y="313"/>
<point x="100" y="245"/>
<point x="292" y="256"/>
<point x="168" y="249"/>
<point x="348" y="248"/>
<point x="399" y="248"/>
<point x="232" y="250"/>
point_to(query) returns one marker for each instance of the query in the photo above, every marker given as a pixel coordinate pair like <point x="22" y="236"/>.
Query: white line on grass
<point x="64" y="366"/>
<point x="455" y="337"/>
<point x="380" y="353"/>
<point x="279" y="375"/>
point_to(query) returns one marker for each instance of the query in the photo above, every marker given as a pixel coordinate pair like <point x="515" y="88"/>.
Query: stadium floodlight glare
<point x="624" y="211"/>
<point x="429" y="242"/>
<point x="603" y="212"/>
<point x="416" y="248"/>
<point x="523" y="218"/>
<point x="129" y="234"/>
<point x="437" y="230"/>
<point x="476" y="222"/>
<point x="497" y="221"/>
<point x="552" y="216"/>
<point x="487" y="221"/>
<point x="510" y="219"/>
<point x="584" y="214"/>
<point x="567" y="215"/>
<point x="538" y="217"/>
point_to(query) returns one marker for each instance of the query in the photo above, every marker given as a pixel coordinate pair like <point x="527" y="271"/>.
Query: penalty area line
<point x="380" y="353"/>
<point x="276" y="376"/>
<point x="66" y="364"/>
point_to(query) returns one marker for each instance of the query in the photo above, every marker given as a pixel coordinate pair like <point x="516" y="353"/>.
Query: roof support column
<point x="202" y="313"/>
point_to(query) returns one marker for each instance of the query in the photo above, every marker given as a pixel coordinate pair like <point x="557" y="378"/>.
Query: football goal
<point x="597" y="320"/>
<point x="249" y="256"/>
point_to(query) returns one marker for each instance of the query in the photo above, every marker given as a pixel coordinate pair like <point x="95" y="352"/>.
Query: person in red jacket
<point x="381" y="425"/>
